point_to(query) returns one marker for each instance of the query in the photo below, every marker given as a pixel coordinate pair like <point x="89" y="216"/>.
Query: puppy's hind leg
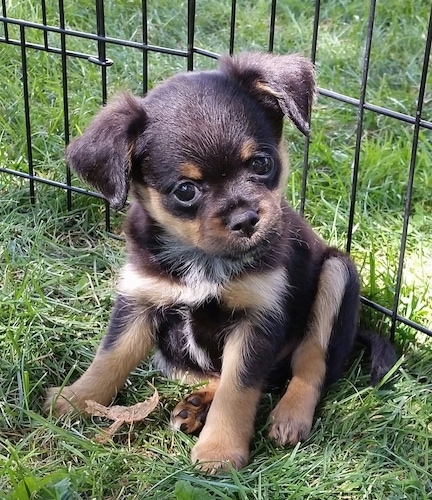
<point x="322" y="355"/>
<point x="189" y="415"/>
<point x="128" y="340"/>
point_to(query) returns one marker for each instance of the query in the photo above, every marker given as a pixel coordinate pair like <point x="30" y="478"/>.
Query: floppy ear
<point x="102" y="155"/>
<point x="285" y="85"/>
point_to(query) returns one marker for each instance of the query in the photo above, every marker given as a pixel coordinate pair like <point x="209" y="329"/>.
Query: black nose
<point x="243" y="223"/>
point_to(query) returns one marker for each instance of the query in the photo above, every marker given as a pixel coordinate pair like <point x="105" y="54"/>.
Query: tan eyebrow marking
<point x="247" y="149"/>
<point x="191" y="171"/>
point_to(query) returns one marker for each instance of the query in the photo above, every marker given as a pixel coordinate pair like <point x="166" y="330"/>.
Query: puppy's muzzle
<point x="243" y="223"/>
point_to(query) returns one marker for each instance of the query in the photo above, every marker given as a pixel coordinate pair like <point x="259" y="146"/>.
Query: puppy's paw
<point x="63" y="400"/>
<point x="290" y="425"/>
<point x="213" y="455"/>
<point x="189" y="415"/>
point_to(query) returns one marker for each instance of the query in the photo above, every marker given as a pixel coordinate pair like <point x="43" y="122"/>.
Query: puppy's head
<point x="202" y="151"/>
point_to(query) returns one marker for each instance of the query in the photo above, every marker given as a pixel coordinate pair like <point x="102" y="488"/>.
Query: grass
<point x="58" y="267"/>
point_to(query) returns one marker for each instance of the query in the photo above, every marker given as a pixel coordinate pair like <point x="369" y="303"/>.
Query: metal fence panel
<point x="92" y="43"/>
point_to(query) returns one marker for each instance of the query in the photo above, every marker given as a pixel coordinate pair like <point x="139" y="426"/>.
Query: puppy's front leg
<point x="128" y="340"/>
<point x="230" y="421"/>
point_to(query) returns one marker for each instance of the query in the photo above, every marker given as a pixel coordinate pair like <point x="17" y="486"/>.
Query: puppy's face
<point x="207" y="167"/>
<point x="202" y="152"/>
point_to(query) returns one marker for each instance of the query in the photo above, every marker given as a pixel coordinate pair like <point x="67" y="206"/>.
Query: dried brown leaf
<point x="128" y="414"/>
<point x="121" y="414"/>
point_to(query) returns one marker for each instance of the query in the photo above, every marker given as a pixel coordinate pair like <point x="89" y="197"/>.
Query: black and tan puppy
<point x="222" y="277"/>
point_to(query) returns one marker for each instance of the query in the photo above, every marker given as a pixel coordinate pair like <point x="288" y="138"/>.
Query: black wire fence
<point x="59" y="41"/>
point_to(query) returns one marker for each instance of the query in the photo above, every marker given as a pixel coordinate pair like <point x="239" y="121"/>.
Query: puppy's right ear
<point x="102" y="155"/>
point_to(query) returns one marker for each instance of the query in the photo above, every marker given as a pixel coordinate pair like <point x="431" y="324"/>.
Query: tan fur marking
<point x="230" y="421"/>
<point x="293" y="415"/>
<point x="188" y="231"/>
<point x="233" y="353"/>
<point x="213" y="229"/>
<point x="270" y="208"/>
<point x="262" y="87"/>
<point x="270" y="212"/>
<point x="247" y="149"/>
<point x="107" y="373"/>
<point x="191" y="171"/>
<point x="328" y="300"/>
<point x="260" y="291"/>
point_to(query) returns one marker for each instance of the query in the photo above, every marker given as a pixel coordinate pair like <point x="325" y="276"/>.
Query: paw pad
<point x="190" y="414"/>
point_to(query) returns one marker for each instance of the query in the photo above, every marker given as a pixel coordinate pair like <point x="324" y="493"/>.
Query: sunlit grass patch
<point x="58" y="267"/>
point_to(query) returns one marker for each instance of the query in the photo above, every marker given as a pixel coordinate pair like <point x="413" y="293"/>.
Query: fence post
<point x="191" y="34"/>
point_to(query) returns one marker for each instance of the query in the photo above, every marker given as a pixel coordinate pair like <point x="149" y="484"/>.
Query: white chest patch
<point x="164" y="292"/>
<point x="260" y="291"/>
<point x="192" y="349"/>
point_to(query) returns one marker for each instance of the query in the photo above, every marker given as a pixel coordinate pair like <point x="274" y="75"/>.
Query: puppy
<point x="222" y="277"/>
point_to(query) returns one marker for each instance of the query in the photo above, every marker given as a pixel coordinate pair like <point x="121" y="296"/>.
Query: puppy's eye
<point x="262" y="165"/>
<point x="186" y="193"/>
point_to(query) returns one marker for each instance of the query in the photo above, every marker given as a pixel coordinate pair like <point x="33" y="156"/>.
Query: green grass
<point x="58" y="267"/>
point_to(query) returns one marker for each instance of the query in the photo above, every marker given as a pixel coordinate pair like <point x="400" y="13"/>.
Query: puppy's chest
<point x="258" y="291"/>
<point x="193" y="317"/>
<point x="195" y="337"/>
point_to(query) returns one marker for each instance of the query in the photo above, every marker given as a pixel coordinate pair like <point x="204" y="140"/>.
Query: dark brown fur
<point x="222" y="277"/>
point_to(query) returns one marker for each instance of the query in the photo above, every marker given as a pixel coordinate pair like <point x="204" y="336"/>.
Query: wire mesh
<point x="58" y="40"/>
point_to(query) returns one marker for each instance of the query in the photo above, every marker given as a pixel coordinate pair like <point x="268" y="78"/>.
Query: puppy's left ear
<point x="284" y="85"/>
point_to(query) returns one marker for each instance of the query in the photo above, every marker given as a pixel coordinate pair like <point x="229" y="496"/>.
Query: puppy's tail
<point x="382" y="353"/>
